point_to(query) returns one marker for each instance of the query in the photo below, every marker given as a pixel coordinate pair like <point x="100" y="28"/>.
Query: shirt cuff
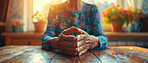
<point x="46" y="44"/>
<point x="101" y="46"/>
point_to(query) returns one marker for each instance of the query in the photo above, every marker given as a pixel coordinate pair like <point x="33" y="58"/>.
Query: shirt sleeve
<point x="50" y="31"/>
<point x="97" y="30"/>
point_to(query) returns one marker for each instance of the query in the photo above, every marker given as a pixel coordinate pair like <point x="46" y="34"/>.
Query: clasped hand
<point x="66" y="42"/>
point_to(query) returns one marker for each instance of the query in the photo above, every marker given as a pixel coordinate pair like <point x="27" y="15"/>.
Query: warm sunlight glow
<point x="38" y="5"/>
<point x="37" y="58"/>
<point x="55" y="0"/>
<point x="100" y="1"/>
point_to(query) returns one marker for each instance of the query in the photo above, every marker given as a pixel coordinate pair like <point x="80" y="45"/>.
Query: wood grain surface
<point x="34" y="54"/>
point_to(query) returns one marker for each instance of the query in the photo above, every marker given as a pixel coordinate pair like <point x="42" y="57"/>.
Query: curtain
<point x="27" y="15"/>
<point x="135" y="3"/>
<point x="16" y="12"/>
<point x="145" y="7"/>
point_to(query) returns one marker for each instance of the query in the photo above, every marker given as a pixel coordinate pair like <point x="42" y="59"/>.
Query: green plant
<point x="39" y="17"/>
<point x="118" y="14"/>
<point x="138" y="13"/>
<point x="113" y="13"/>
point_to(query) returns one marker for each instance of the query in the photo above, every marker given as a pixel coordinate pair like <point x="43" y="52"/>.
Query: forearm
<point x="46" y="42"/>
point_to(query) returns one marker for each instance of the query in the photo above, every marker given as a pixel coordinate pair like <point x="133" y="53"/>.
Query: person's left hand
<point x="81" y="44"/>
<point x="92" y="41"/>
<point x="85" y="40"/>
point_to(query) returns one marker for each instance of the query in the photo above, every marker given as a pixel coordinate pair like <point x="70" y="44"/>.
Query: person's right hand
<point x="65" y="42"/>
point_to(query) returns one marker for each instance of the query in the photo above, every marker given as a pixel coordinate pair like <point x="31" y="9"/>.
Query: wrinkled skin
<point x="83" y="42"/>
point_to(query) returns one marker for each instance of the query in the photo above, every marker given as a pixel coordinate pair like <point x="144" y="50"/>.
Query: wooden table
<point x="34" y="54"/>
<point x="31" y="38"/>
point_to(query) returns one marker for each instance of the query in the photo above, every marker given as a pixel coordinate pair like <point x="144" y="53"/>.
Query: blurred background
<point x="19" y="21"/>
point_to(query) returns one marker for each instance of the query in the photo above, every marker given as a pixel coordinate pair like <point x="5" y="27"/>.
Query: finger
<point x="82" y="52"/>
<point x="70" y="53"/>
<point x="70" y="38"/>
<point x="81" y="37"/>
<point x="68" y="44"/>
<point x="80" y="43"/>
<point x="85" y="46"/>
<point x="88" y="42"/>
<point x="77" y="31"/>
<point x="67" y="37"/>
<point x="68" y="31"/>
<point x="66" y="48"/>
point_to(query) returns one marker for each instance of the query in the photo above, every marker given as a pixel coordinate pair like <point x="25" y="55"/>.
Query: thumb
<point x="80" y="31"/>
<point x="68" y="31"/>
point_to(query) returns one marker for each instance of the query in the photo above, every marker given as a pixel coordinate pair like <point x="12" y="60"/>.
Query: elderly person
<point x="74" y="27"/>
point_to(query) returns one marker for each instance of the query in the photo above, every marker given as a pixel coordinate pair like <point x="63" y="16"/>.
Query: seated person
<point x="74" y="27"/>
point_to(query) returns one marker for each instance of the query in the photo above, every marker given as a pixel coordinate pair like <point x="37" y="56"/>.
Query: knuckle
<point x="65" y="36"/>
<point x="76" y="49"/>
<point x="64" y="31"/>
<point x="83" y="46"/>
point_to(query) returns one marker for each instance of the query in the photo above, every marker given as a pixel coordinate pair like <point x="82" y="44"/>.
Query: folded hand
<point x="73" y="45"/>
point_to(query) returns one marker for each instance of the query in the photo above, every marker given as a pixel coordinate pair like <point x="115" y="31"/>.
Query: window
<point x="102" y="5"/>
<point x="43" y="5"/>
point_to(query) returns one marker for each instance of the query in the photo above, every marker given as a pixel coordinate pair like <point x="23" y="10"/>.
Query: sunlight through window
<point x="43" y="6"/>
<point x="38" y="5"/>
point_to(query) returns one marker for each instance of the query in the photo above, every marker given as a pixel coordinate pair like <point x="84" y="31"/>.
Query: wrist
<point x="53" y="42"/>
<point x="95" y="41"/>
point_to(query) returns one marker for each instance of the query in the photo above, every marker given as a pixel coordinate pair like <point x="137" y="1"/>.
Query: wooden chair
<point x="5" y="6"/>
